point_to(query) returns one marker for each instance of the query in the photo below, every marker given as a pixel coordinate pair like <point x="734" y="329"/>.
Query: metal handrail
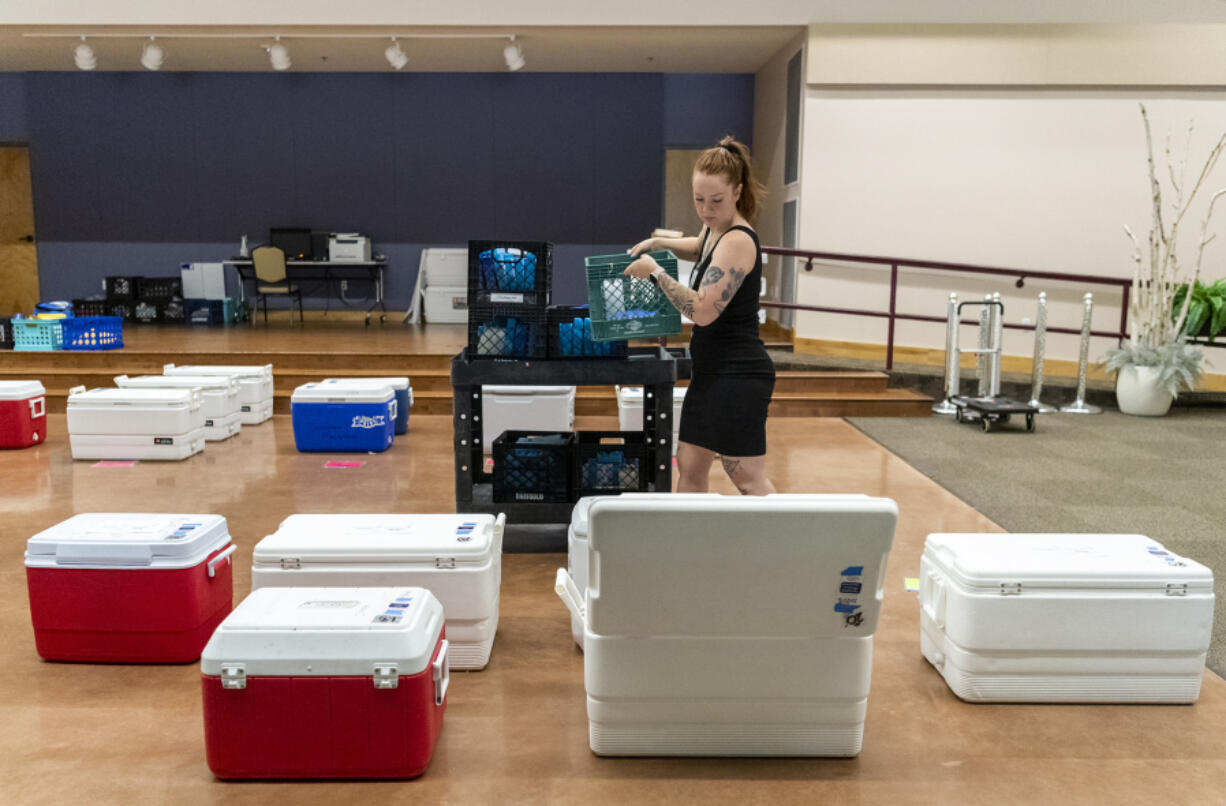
<point x="892" y="313"/>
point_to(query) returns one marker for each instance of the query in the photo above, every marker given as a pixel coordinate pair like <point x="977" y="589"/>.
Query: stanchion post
<point x="952" y="366"/>
<point x="998" y="342"/>
<point x="1040" y="348"/>
<point x="982" y="361"/>
<point x="1079" y="406"/>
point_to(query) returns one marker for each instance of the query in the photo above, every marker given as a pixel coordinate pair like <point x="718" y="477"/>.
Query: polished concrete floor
<point x="517" y="732"/>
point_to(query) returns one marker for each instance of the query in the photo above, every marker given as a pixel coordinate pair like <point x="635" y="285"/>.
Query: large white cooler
<point x="1064" y="618"/>
<point x="731" y="625"/>
<point x="221" y="403"/>
<point x="326" y="683"/>
<point x="255" y="386"/>
<point x="457" y="557"/>
<point x="630" y="409"/>
<point x="135" y="423"/>
<point x="445" y="304"/>
<point x="525" y="408"/>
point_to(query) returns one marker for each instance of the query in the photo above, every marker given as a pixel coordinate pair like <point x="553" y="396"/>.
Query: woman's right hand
<point x="639" y="248"/>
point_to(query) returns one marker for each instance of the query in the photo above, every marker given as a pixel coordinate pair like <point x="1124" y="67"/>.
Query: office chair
<point x="270" y="279"/>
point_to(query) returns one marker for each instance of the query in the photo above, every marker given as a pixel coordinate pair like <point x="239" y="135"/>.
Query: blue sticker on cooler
<point x="398" y="604"/>
<point x="853" y="571"/>
<point x="850" y="587"/>
<point x="845" y="608"/>
<point x="404" y="598"/>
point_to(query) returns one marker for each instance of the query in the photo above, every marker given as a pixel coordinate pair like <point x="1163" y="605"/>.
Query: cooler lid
<point x="20" y="390"/>
<point x="177" y="382"/>
<point x="107" y="397"/>
<point x="128" y="539"/>
<point x="327" y="631"/>
<point x="407" y="539"/>
<point x="322" y="392"/>
<point x="395" y="383"/>
<point x="240" y="370"/>
<point x="1062" y="560"/>
<point x="538" y="391"/>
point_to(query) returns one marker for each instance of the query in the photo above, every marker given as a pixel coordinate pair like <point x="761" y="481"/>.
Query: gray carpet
<point x="1161" y="477"/>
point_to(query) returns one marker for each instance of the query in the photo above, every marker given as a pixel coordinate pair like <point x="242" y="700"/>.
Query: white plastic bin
<point x="525" y="408"/>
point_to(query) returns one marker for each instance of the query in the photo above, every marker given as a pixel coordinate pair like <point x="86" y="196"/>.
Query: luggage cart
<point x="988" y="408"/>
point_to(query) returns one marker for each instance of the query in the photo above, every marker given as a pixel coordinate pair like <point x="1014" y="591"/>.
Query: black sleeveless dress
<point x="733" y="376"/>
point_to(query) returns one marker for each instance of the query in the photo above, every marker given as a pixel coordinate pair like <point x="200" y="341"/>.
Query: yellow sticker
<point x="910" y="583"/>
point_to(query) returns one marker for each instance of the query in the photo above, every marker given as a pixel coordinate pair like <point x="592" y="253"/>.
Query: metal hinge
<point x="1176" y="589"/>
<point x="386" y="675"/>
<point x="444" y="562"/>
<point x="1010" y="589"/>
<point x="291" y="562"/>
<point x="233" y="675"/>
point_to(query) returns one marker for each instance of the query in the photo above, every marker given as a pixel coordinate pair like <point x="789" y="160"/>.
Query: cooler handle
<point x="38" y="408"/>
<point x="392" y="409"/>
<point x="932" y="598"/>
<point x="225" y="555"/>
<point x="441" y="672"/>
<point x="500" y="525"/>
<point x="566" y="589"/>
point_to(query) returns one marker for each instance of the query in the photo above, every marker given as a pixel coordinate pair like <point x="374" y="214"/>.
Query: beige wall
<point x="1039" y="178"/>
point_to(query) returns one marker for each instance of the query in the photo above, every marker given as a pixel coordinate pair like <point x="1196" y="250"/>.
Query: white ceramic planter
<point x="1137" y="391"/>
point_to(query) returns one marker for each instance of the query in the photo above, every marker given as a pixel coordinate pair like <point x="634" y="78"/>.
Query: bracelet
<point x="657" y="272"/>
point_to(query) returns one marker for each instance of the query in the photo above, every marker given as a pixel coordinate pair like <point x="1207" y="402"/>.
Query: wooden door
<point x="18" y="255"/>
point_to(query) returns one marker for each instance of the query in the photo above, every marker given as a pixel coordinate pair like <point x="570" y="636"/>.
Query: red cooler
<point x="326" y="683"/>
<point x="129" y="587"/>
<point x="23" y="414"/>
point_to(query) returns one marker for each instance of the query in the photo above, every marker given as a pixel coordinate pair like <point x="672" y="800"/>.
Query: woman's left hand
<point x="642" y="267"/>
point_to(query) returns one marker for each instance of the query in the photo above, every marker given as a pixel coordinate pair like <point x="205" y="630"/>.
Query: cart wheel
<point x="958" y="415"/>
<point x="383" y="319"/>
<point x="985" y="424"/>
<point x="368" y="320"/>
<point x="1030" y="423"/>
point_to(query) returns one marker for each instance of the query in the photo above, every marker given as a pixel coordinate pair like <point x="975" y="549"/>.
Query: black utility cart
<point x="987" y="411"/>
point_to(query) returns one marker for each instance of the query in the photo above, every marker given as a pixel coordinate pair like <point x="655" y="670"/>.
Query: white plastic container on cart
<point x="255" y="386"/>
<point x="457" y="557"/>
<point x="326" y="683"/>
<point x="220" y="396"/>
<point x="1064" y="618"/>
<point x="731" y="625"/>
<point x="135" y="423"/>
<point x="630" y="409"/>
<point x="129" y="587"/>
<point x="525" y="408"/>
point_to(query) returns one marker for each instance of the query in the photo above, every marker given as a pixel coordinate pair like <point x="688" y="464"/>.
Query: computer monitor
<point x="295" y="242"/>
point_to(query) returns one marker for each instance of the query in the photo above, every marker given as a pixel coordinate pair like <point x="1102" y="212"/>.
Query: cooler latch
<point x="1176" y="589"/>
<point x="386" y="675"/>
<point x="444" y="562"/>
<point x="1010" y="589"/>
<point x="233" y="675"/>
<point x="291" y="562"/>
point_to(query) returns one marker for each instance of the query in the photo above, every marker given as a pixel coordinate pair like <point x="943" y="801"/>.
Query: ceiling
<point x="703" y="49"/>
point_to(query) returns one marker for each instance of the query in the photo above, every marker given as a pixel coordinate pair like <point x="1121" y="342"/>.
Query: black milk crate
<point x="94" y="306"/>
<point x="157" y="289"/>
<point x="519" y="272"/>
<point x="611" y="462"/>
<point x="6" y="333"/>
<point x="145" y="311"/>
<point x="123" y="289"/>
<point x="570" y="335"/>
<point x="507" y="331"/>
<point x="533" y="467"/>
<point x="172" y="311"/>
<point x="122" y="309"/>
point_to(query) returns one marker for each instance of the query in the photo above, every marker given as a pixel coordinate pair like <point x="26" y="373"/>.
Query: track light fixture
<point x="514" y="55"/>
<point x="395" y="56"/>
<point x="152" y="56"/>
<point x="278" y="55"/>
<point x="84" y="57"/>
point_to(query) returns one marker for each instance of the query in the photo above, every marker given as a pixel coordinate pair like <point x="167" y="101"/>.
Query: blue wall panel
<point x="12" y="108"/>
<point x="701" y="109"/>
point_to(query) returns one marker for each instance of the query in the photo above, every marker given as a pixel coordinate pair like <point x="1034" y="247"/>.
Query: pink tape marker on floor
<point x="108" y="463"/>
<point x="343" y="464"/>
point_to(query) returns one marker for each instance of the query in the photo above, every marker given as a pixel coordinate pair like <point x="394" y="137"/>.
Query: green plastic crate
<point x="625" y="307"/>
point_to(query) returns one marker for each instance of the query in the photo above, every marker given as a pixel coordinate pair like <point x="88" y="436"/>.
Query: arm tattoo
<point x="712" y="275"/>
<point x="682" y="298"/>
<point x="735" y="278"/>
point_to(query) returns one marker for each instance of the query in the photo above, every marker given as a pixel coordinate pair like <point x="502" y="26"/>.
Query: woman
<point x="725" y="407"/>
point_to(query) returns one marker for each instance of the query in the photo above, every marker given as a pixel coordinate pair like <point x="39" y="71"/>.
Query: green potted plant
<point x="1156" y="362"/>
<point x="1206" y="312"/>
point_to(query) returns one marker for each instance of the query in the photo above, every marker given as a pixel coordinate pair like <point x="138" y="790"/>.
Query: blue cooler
<point x="400" y="386"/>
<point x="343" y="416"/>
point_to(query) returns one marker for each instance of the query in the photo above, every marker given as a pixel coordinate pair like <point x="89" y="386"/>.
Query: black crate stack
<point x="509" y="286"/>
<point x="161" y="300"/>
<point x="6" y="333"/>
<point x="122" y="294"/>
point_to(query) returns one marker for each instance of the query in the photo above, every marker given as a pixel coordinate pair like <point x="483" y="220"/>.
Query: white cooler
<point x="445" y="304"/>
<point x="457" y="557"/>
<point x="1064" y="618"/>
<point x="135" y="423"/>
<point x="525" y="408"/>
<point x="255" y="386"/>
<point x="221" y="403"/>
<point x="731" y="625"/>
<point x="630" y="409"/>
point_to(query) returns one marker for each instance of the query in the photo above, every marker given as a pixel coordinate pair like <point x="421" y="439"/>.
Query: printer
<point x="348" y="247"/>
